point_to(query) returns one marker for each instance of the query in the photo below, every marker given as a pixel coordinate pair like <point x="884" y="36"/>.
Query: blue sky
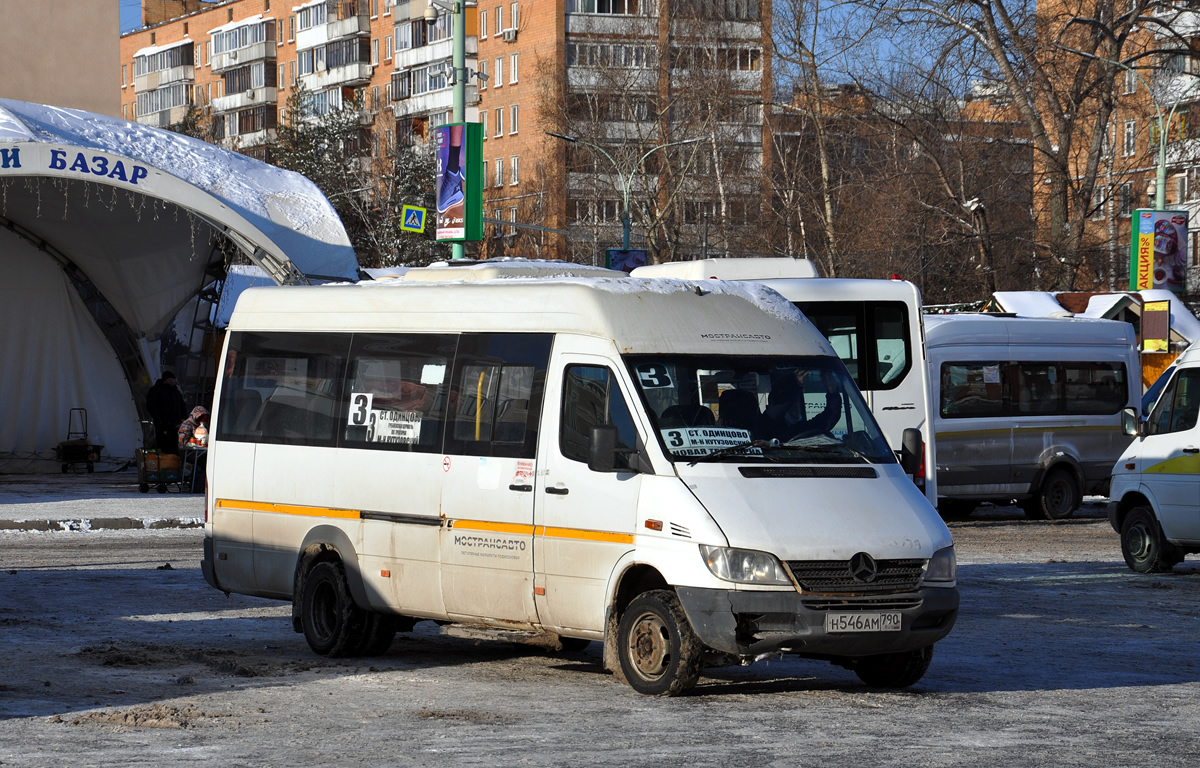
<point x="131" y="14"/>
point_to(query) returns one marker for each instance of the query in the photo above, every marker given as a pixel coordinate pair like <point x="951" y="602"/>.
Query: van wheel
<point x="1059" y="496"/>
<point x="955" y="509"/>
<point x="1143" y="545"/>
<point x="894" y="670"/>
<point x="333" y="624"/>
<point x="660" y="654"/>
<point x="378" y="633"/>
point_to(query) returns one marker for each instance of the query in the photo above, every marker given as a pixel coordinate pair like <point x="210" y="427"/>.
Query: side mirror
<point x="603" y="451"/>
<point x="912" y="451"/>
<point x="1129" y="422"/>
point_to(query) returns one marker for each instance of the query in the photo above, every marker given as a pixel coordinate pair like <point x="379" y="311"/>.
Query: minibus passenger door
<point x="1169" y="456"/>
<point x="488" y="476"/>
<point x="585" y="519"/>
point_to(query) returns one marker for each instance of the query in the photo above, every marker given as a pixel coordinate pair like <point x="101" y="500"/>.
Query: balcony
<point x="164" y="118"/>
<point x="241" y="56"/>
<point x="355" y="73"/>
<point x="252" y="98"/>
<point x="181" y="74"/>
<point x="354" y="26"/>
<point x="243" y="141"/>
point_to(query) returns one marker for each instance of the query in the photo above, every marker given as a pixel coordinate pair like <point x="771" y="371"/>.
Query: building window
<point x="499" y="73"/>
<point x="483" y="80"/>
<point x="387" y="48"/>
<point x="514" y="174"/>
<point x="499" y="19"/>
<point x="1181" y="189"/>
<point x="1130" y="81"/>
<point x="374" y="9"/>
<point x="1125" y="199"/>
<point x="124" y="111"/>
<point x="618" y="7"/>
<point x="483" y="123"/>
<point x="387" y="7"/>
<point x="512" y="68"/>
<point x="1098" y="199"/>
<point x="499" y="122"/>
<point x="483" y="24"/>
<point x="499" y="171"/>
<point x="374" y="51"/>
<point x="124" y="74"/>
<point x="185" y="29"/>
<point x="512" y="16"/>
<point x="513" y="123"/>
<point x="291" y="28"/>
<point x="1129" y="144"/>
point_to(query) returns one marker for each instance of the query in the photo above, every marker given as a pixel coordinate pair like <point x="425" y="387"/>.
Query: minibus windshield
<point x="764" y="408"/>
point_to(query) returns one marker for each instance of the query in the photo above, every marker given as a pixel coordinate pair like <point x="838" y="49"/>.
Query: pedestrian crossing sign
<point x="412" y="219"/>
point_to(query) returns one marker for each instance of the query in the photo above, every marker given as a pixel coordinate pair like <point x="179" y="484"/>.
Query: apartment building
<point x="239" y="61"/>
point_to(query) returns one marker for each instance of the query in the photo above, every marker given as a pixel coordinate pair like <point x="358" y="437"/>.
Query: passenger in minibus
<point x="786" y="417"/>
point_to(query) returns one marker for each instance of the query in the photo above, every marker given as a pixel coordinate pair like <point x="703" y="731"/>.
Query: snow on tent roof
<point x="284" y="213"/>
<point x="1101" y="304"/>
<point x="1183" y="321"/>
<point x="1029" y="303"/>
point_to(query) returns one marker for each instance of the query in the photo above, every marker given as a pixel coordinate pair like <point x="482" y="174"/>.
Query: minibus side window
<point x="1096" y="388"/>
<point x="396" y="391"/>
<point x="1179" y="405"/>
<point x="496" y="394"/>
<point x="282" y="388"/>
<point x="871" y="338"/>
<point x="591" y="398"/>
<point x="1038" y="388"/>
<point x="971" y="390"/>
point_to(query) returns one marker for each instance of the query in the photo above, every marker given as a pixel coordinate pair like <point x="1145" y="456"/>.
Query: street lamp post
<point x="626" y="179"/>
<point x="459" y="75"/>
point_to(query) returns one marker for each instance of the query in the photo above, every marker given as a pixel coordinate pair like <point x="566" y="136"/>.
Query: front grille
<point x="834" y="577"/>
<point x="862" y="603"/>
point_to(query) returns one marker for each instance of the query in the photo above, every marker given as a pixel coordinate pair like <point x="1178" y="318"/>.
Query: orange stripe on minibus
<point x="288" y="509"/>
<point x="578" y="533"/>
<point x="484" y="525"/>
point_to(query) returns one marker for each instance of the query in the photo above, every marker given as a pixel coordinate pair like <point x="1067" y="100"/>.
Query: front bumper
<point x="1113" y="508"/>
<point x="753" y="623"/>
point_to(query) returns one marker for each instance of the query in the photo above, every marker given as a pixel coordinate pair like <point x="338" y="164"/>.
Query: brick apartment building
<point x="240" y="60"/>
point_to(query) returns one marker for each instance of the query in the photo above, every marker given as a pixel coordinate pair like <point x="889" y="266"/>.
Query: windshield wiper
<point x="732" y="449"/>
<point x="827" y="449"/>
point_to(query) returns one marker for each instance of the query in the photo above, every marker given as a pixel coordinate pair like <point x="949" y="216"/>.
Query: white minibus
<point x="1155" y="495"/>
<point x="533" y="457"/>
<point x="1028" y="409"/>
<point x="874" y="326"/>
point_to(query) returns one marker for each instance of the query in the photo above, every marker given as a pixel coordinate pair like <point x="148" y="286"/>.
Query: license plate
<point x="862" y="622"/>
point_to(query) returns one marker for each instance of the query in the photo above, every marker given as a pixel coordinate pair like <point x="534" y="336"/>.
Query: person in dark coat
<point x="164" y="401"/>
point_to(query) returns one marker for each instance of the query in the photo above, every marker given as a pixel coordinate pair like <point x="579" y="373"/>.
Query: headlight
<point x="745" y="566"/>
<point x="942" y="567"/>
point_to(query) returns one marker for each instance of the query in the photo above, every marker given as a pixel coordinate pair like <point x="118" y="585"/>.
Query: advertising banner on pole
<point x="459" y="181"/>
<point x="1158" y="250"/>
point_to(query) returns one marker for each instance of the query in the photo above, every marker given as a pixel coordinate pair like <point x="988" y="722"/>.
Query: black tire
<point x="573" y="644"/>
<point x="660" y="654"/>
<point x="162" y="488"/>
<point x="333" y="625"/>
<point x="1059" y="496"/>
<point x="1143" y="545"/>
<point x="378" y="634"/>
<point x="91" y="467"/>
<point x="894" y="670"/>
<point x="144" y="487"/>
<point x="955" y="509"/>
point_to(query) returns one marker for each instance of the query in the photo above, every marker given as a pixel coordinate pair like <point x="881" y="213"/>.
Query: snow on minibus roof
<point x="755" y="268"/>
<point x="616" y="307"/>
<point x="971" y="329"/>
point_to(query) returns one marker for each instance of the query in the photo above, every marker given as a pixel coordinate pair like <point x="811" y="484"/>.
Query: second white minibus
<point x="535" y="456"/>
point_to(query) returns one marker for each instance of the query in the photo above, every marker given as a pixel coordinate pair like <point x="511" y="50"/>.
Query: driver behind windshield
<point x="786" y="417"/>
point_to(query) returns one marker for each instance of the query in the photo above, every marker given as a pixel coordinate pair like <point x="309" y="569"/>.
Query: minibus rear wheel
<point x="894" y="670"/>
<point x="1143" y="545"/>
<point x="1059" y="496"/>
<point x="659" y="652"/>
<point x="333" y="624"/>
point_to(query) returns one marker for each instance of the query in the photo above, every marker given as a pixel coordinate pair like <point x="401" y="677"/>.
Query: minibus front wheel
<point x="659" y="652"/>
<point x="1143" y="545"/>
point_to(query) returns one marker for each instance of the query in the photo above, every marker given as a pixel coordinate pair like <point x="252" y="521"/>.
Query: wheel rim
<point x="1138" y="542"/>
<point x="324" y="610"/>
<point x="650" y="646"/>
<point x="1059" y="498"/>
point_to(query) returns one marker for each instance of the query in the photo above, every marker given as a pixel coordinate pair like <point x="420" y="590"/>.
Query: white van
<point x="1028" y="409"/>
<point x="533" y="456"/>
<point x="875" y="326"/>
<point x="1155" y="495"/>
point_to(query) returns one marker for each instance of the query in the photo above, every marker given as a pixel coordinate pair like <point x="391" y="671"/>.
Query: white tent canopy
<point x="107" y="228"/>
